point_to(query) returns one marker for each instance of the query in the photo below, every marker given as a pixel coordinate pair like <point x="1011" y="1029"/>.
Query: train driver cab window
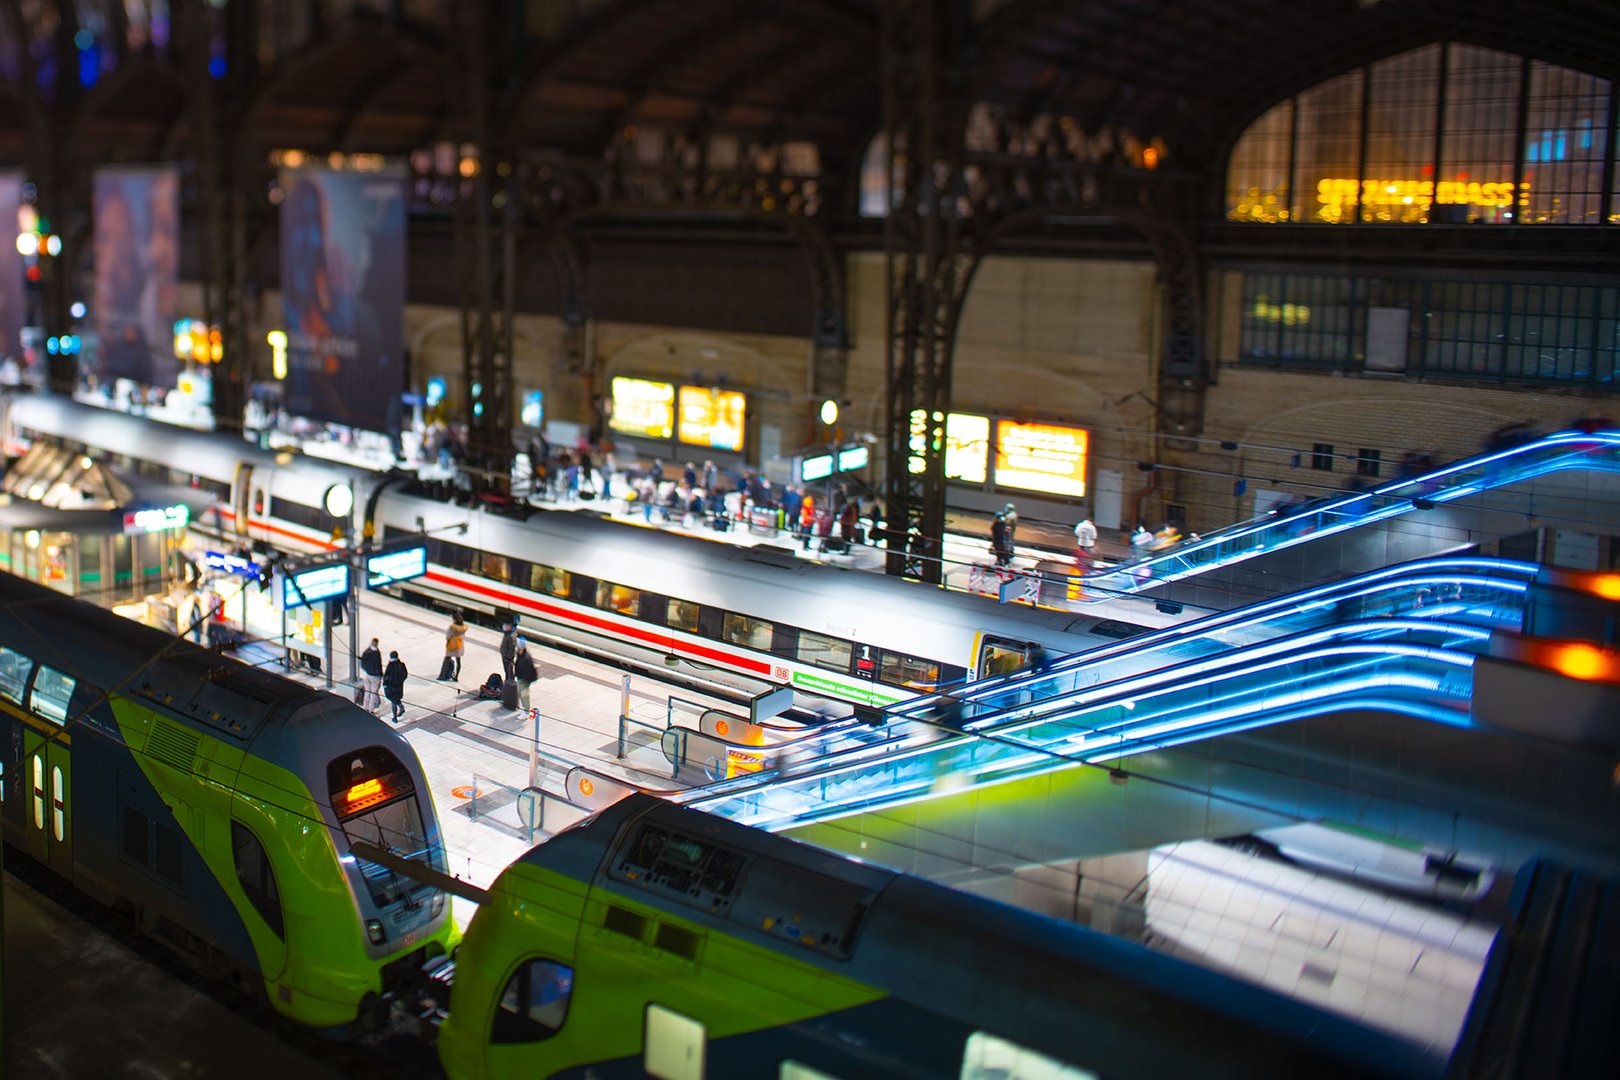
<point x="51" y="694"/>
<point x="1001" y="656"/>
<point x="534" y="1004"/>
<point x="683" y="615"/>
<point x="898" y="669"/>
<point x="674" y="1044"/>
<point x="549" y="580"/>
<point x="990" y="1057"/>
<point x="823" y="651"/>
<point x="747" y="631"/>
<point x="619" y="599"/>
<point x="253" y="872"/>
<point x="14" y="669"/>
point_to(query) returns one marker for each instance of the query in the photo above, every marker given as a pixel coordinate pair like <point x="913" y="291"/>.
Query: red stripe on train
<point x="593" y="622"/>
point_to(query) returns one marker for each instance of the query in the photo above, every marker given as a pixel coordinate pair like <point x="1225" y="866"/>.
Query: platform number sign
<point x="865" y="664"/>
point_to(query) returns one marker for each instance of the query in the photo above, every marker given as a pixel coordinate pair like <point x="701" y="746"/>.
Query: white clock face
<point x="339" y="500"/>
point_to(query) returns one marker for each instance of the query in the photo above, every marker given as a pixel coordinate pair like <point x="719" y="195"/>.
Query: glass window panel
<point x="51" y="694"/>
<point x="674" y="1045"/>
<point x="14" y="669"/>
<point x="1403" y="94"/>
<point x="1257" y="187"/>
<point x="1564" y="142"/>
<point x="824" y="651"/>
<point x="1328" y="153"/>
<point x="747" y="631"/>
<point x="549" y="580"/>
<point x="912" y="671"/>
<point x="683" y="615"/>
<point x="620" y="599"/>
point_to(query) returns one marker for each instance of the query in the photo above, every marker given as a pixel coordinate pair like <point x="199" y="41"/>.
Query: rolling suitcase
<point x="509" y="698"/>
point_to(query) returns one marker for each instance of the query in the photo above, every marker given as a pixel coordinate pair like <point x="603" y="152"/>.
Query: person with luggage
<point x="455" y="644"/>
<point x="524" y="673"/>
<point x="393" y="683"/>
<point x="371" y="675"/>
<point x="509" y="640"/>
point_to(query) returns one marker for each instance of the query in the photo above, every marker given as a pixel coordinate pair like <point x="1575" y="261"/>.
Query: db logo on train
<point x="780" y="674"/>
<point x="721" y="727"/>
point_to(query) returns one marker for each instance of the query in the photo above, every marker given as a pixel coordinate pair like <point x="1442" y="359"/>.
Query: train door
<point x="1001" y="656"/>
<point x="240" y="497"/>
<point x="49" y="757"/>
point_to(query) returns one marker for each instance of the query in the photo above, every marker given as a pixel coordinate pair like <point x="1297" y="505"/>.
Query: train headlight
<point x="374" y="931"/>
<point x="437" y="907"/>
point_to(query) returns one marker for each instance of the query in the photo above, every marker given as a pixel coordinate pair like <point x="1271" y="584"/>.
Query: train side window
<point x="459" y="557"/>
<point x="14" y="669"/>
<point x="898" y="669"/>
<point x="495" y="567"/>
<point x="582" y="590"/>
<point x="683" y="615"/>
<point x="710" y="621"/>
<point x="654" y="607"/>
<point x="990" y="1057"/>
<point x="51" y="693"/>
<point x="255" y="875"/>
<point x="747" y="631"/>
<point x="534" y="1005"/>
<point x="951" y="674"/>
<point x="785" y="642"/>
<point x="1000" y="656"/>
<point x="823" y="651"/>
<point x="619" y="599"/>
<point x="549" y="580"/>
<point x="675" y="1045"/>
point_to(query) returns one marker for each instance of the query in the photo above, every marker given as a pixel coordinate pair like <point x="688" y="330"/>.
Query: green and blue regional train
<point x="656" y="940"/>
<point x="215" y="804"/>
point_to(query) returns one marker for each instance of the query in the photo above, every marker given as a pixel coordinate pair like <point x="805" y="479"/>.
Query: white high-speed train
<point x="749" y="619"/>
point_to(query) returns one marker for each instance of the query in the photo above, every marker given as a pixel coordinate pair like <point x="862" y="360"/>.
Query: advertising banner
<point x="137" y="257"/>
<point x="644" y="408"/>
<point x="1048" y="458"/>
<point x="712" y="418"/>
<point x="11" y="268"/>
<point x="343" y="295"/>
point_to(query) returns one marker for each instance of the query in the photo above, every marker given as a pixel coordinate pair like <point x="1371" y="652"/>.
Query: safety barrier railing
<point x="532" y="813"/>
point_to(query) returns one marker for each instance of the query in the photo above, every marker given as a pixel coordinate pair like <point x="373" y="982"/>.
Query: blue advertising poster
<point x="11" y="268"/>
<point x="343" y="295"/>
<point x="137" y="248"/>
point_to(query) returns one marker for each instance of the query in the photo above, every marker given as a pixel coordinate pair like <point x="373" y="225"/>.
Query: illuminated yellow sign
<point x="967" y="446"/>
<point x="712" y="418"/>
<point x="1049" y="458"/>
<point x="1342" y="193"/>
<point x="643" y="408"/>
<point x="1287" y="314"/>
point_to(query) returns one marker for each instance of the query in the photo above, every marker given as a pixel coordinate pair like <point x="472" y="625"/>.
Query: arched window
<point x="1433" y="136"/>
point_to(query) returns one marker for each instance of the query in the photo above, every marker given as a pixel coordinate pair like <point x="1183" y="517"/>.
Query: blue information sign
<point x="391" y="566"/>
<point x="314" y="584"/>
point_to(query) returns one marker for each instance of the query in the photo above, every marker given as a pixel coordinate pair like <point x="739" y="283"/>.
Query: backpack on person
<point x="491" y="690"/>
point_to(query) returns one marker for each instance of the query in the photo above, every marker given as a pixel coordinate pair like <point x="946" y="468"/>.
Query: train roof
<point x="972" y="958"/>
<point x="207" y="690"/>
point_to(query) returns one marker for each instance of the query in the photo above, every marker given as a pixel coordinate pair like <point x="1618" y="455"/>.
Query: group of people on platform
<point x="379" y="680"/>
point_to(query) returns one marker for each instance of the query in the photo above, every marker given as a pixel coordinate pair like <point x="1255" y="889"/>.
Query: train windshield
<point x="375" y="803"/>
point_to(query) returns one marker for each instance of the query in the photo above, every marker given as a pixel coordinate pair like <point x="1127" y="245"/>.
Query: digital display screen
<point x="643" y="408"/>
<point x="314" y="584"/>
<point x="157" y="519"/>
<point x="712" y="418"/>
<point x="392" y="566"/>
<point x="820" y="466"/>
<point x="967" y="446"/>
<point x="1048" y="458"/>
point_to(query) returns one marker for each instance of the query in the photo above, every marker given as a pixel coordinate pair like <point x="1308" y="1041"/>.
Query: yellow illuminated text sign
<point x="1343" y="192"/>
<point x="645" y="408"/>
<point x="1048" y="458"/>
<point x="712" y="418"/>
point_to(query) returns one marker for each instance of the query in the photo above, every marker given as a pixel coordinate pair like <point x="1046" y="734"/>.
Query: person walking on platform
<point x="1010" y="512"/>
<point x="371" y="675"/>
<point x="1001" y="544"/>
<point x="524" y="671"/>
<point x="455" y="644"/>
<point x="393" y="682"/>
<point x="1085" y="540"/>
<point x="509" y="640"/>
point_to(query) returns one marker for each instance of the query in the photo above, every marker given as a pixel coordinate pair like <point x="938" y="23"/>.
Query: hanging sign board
<point x="315" y="583"/>
<point x="387" y="567"/>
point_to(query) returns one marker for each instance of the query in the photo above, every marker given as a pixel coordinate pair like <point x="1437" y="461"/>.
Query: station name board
<point x="157" y="519"/>
<point x="391" y="566"/>
<point x="1344" y="192"/>
<point x="314" y="584"/>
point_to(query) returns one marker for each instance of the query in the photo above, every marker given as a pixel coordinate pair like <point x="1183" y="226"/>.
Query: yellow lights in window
<point x="1286" y="314"/>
